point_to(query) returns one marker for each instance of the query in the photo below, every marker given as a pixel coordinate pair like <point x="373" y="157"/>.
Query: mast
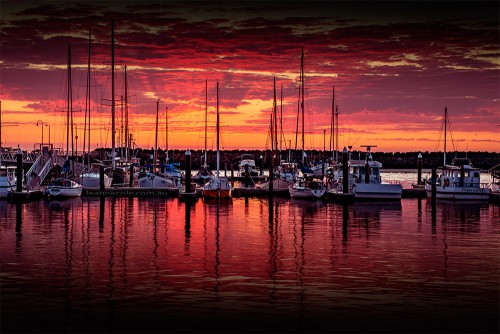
<point x="86" y="129"/>
<point x="218" y="129"/>
<point x="68" y="104"/>
<point x="337" y="133"/>
<point x="206" y="112"/>
<point x="166" y="134"/>
<point x="126" y="116"/>
<point x="302" y="101"/>
<point x="282" y="137"/>
<point x="275" y="131"/>
<point x="332" y="126"/>
<point x="1" y="125"/>
<point x="155" y="156"/>
<point x="445" y="126"/>
<point x="113" y="152"/>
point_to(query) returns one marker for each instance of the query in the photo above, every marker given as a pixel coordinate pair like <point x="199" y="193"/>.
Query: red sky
<point x="395" y="67"/>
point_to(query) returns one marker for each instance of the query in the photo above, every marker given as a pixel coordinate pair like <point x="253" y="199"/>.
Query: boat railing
<point x="45" y="170"/>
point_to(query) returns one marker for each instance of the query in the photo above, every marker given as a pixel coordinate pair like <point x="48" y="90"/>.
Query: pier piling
<point x="247" y="176"/>
<point x="419" y="168"/>
<point x="101" y="178"/>
<point x="131" y="178"/>
<point x="345" y="172"/>
<point x="19" y="171"/>
<point x="188" y="172"/>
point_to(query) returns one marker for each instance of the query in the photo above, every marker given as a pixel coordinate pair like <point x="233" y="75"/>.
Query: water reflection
<point x="123" y="264"/>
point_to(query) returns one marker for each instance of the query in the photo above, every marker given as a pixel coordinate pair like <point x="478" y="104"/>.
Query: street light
<point x="49" y="131"/>
<point x="37" y="122"/>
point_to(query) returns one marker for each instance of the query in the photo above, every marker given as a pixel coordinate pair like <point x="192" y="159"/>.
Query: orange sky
<point x="393" y="74"/>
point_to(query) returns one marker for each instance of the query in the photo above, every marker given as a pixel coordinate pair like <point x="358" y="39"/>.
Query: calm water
<point x="248" y="265"/>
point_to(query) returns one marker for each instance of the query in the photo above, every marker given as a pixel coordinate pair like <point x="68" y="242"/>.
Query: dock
<point x="25" y="196"/>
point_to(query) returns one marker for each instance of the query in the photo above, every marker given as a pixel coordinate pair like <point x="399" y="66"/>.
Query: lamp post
<point x="38" y="122"/>
<point x="48" y="125"/>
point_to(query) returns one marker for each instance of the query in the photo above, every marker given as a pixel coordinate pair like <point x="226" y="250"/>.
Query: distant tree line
<point x="391" y="160"/>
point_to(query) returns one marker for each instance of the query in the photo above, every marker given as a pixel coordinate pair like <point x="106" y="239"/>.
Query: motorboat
<point x="63" y="187"/>
<point x="310" y="188"/>
<point x="7" y="180"/>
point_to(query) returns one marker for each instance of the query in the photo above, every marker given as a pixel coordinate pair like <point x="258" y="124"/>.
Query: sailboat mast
<point x="68" y="105"/>
<point x="275" y="118"/>
<point x="166" y="134"/>
<point x="156" y="137"/>
<point x="337" y="134"/>
<point x="86" y="130"/>
<point x="206" y="112"/>
<point x="218" y="129"/>
<point x="332" y="126"/>
<point x="113" y="152"/>
<point x="126" y="116"/>
<point x="302" y="101"/>
<point x="282" y="137"/>
<point x="445" y="126"/>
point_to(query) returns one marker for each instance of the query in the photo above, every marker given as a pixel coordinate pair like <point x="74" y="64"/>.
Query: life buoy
<point x="446" y="182"/>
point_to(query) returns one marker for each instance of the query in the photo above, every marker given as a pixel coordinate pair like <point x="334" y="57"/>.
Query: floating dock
<point x="131" y="192"/>
<point x="25" y="195"/>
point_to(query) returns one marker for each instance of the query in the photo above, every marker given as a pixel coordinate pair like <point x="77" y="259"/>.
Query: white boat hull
<point x="6" y="187"/>
<point x="458" y="193"/>
<point x="306" y="193"/>
<point x="91" y="181"/>
<point x="64" y="192"/>
<point x="377" y="191"/>
<point x="155" y="181"/>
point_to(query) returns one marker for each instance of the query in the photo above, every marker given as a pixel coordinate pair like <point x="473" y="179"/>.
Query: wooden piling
<point x="345" y="172"/>
<point x="19" y="171"/>
<point x="187" y="185"/>
<point x="101" y="178"/>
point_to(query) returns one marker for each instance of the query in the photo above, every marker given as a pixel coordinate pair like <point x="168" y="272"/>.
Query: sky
<point x="391" y="68"/>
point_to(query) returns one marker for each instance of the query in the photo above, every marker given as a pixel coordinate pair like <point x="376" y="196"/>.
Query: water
<point x="248" y="265"/>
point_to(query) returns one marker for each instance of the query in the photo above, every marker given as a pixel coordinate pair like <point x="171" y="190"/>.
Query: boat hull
<point x="378" y="191"/>
<point x="64" y="192"/>
<point x="306" y="193"/>
<point x="155" y="181"/>
<point x="91" y="181"/>
<point x="6" y="187"/>
<point x="458" y="193"/>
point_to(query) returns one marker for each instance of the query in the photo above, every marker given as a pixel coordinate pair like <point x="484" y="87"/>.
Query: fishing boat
<point x="460" y="180"/>
<point x="367" y="181"/>
<point x="247" y="161"/>
<point x="217" y="187"/>
<point x="63" y="187"/>
<point x="7" y="180"/>
<point x="204" y="174"/>
<point x="154" y="179"/>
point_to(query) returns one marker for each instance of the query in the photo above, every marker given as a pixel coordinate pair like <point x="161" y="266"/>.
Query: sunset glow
<point x="394" y="66"/>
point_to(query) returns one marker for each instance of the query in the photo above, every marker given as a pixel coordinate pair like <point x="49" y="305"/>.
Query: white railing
<point x="34" y="168"/>
<point x="45" y="170"/>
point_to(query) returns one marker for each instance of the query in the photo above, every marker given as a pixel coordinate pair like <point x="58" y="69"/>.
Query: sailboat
<point x="217" y="187"/>
<point x="91" y="179"/>
<point x="204" y="173"/>
<point x="65" y="187"/>
<point x="119" y="173"/>
<point x="170" y="169"/>
<point x="153" y="179"/>
<point x="460" y="180"/>
<point x="307" y="186"/>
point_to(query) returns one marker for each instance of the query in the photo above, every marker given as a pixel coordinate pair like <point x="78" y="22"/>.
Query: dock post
<point x="131" y="176"/>
<point x="433" y="193"/>
<point x="101" y="178"/>
<point x="225" y="169"/>
<point x="345" y="172"/>
<point x="419" y="168"/>
<point x="247" y="174"/>
<point x="271" y="177"/>
<point x="187" y="186"/>
<point x="19" y="171"/>
<point x="232" y="171"/>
